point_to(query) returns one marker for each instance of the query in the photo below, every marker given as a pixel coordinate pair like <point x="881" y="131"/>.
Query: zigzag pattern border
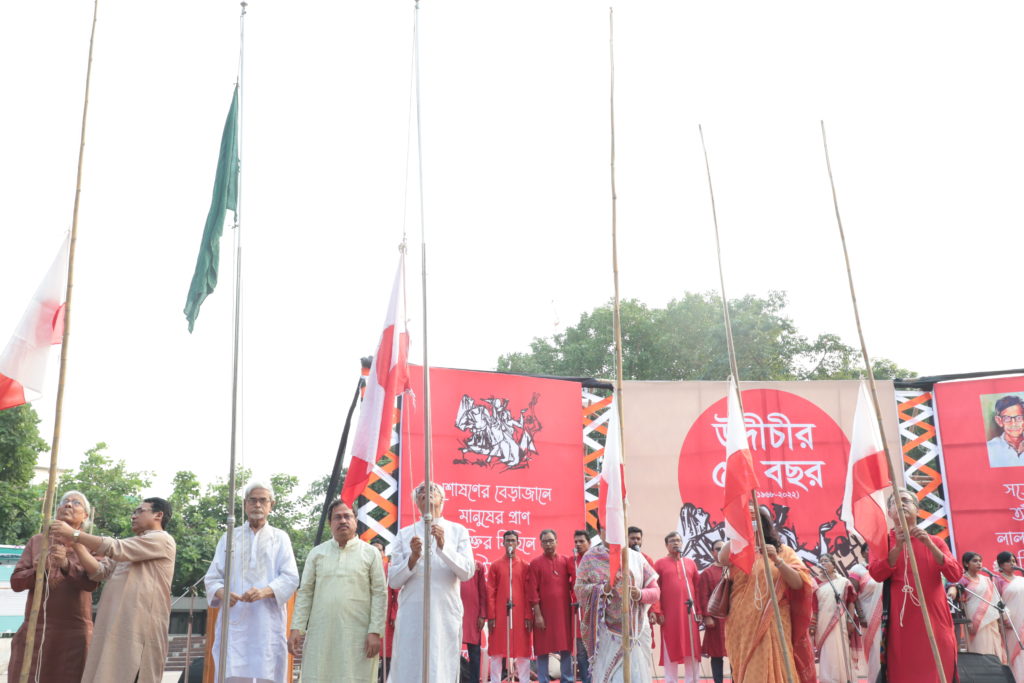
<point x="922" y="468"/>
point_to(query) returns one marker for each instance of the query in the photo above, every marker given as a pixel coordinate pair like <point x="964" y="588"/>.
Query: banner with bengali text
<point x="798" y="434"/>
<point x="508" y="451"/>
<point x="981" y="423"/>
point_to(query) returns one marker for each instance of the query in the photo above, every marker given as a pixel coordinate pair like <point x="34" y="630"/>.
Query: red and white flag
<point x="23" y="362"/>
<point x="389" y="377"/>
<point x="740" y="480"/>
<point x="867" y="479"/>
<point x="612" y="493"/>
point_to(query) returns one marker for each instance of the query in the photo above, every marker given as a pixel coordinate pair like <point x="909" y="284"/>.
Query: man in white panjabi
<point x="263" y="578"/>
<point x="339" y="609"/>
<point x="451" y="562"/>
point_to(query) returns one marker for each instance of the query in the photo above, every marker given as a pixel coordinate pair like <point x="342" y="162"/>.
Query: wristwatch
<point x="74" y="536"/>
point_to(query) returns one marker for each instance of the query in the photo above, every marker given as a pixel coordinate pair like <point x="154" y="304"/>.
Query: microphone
<point x="990" y="574"/>
<point x="508" y="551"/>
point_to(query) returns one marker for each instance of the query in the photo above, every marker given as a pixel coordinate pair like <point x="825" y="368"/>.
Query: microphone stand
<point x="1001" y="608"/>
<point x="510" y="660"/>
<point x="691" y="617"/>
<point x="844" y="635"/>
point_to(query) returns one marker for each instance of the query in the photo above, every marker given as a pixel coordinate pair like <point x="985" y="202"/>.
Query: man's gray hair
<point x="87" y="524"/>
<point x="434" y="488"/>
<point x="257" y="484"/>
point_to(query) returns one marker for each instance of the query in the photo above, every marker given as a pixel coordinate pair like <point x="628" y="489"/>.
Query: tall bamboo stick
<point x="624" y="592"/>
<point x="51" y="484"/>
<point x="878" y="417"/>
<point x="734" y="368"/>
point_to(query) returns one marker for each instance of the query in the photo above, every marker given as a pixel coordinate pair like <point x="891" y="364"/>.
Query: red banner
<point x="981" y="423"/>
<point x="508" y="451"/>
<point x="799" y="455"/>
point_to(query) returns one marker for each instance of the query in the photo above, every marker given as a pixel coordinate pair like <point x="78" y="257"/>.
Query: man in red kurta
<point x="474" y="616"/>
<point x="549" y="585"/>
<point x="713" y="646"/>
<point x="497" y="608"/>
<point x="635" y="536"/>
<point x="680" y="638"/>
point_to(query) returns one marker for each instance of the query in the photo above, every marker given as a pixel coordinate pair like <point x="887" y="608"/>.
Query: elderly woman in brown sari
<point x="64" y="626"/>
<point x="752" y="638"/>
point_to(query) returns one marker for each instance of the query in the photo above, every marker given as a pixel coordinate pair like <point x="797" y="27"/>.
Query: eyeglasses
<point x="1012" y="418"/>
<point x="257" y="501"/>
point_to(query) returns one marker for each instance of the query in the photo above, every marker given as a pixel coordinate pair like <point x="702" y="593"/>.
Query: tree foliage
<point x="113" y="490"/>
<point x="686" y="340"/>
<point x="20" y="501"/>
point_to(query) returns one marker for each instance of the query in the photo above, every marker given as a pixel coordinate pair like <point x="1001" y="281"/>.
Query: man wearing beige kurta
<point x="339" y="607"/>
<point x="129" y="642"/>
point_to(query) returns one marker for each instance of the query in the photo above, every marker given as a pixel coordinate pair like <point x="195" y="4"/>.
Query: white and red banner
<point x="389" y="377"/>
<point x="508" y="451"/>
<point x="24" y="359"/>
<point x="981" y="428"/>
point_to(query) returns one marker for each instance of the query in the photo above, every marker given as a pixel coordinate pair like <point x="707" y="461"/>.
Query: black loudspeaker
<point x="975" y="668"/>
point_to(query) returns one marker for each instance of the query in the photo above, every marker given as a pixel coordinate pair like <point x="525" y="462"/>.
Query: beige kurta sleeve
<point x="378" y="594"/>
<point x="304" y="595"/>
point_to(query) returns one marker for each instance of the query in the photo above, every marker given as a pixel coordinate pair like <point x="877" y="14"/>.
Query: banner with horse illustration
<point x="508" y="451"/>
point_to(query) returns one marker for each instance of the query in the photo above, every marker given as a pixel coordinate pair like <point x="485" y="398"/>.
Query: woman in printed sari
<point x="756" y="653"/>
<point x="831" y="635"/>
<point x="984" y="635"/>
<point x="601" y="614"/>
<point x="1011" y="586"/>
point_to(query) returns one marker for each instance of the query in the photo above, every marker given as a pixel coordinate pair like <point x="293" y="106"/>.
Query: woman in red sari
<point x="908" y="654"/>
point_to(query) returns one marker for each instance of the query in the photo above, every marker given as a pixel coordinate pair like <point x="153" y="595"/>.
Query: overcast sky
<point x="922" y="102"/>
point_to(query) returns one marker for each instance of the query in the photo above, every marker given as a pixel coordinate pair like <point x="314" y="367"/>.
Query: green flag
<point x="225" y="198"/>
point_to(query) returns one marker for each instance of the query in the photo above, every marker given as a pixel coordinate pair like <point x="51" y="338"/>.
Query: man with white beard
<point x="451" y="562"/>
<point x="263" y="578"/>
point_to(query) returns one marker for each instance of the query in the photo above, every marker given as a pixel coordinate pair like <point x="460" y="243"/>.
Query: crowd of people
<point x="359" y="614"/>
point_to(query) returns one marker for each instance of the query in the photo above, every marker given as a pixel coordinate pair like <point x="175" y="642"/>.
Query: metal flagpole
<point x="236" y="346"/>
<point x="428" y="514"/>
<point x="624" y="592"/>
<point x="51" y="484"/>
<point x="902" y="521"/>
<point x="739" y="397"/>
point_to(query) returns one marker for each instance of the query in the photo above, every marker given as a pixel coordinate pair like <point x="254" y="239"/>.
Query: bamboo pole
<point x="909" y="546"/>
<point x="624" y="587"/>
<point x="734" y="369"/>
<point x="51" y="484"/>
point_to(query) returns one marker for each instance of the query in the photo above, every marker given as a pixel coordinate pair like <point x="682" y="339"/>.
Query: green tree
<point x="686" y="341"/>
<point x="112" y="489"/>
<point x="198" y="519"/>
<point x="20" y="501"/>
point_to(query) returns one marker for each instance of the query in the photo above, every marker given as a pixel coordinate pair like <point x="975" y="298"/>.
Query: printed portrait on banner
<point x="1003" y="416"/>
<point x="506" y="449"/>
<point x="981" y="424"/>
